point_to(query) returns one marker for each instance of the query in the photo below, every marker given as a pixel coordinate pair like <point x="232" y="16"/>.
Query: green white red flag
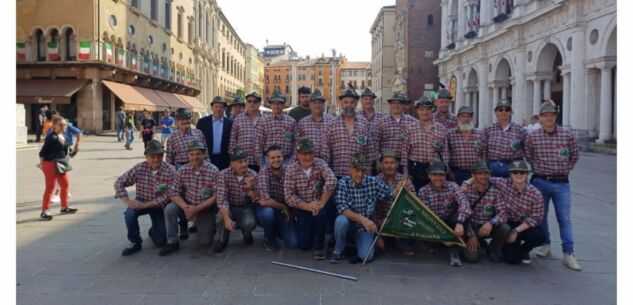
<point x="84" y="50"/>
<point x="108" y="50"/>
<point x="21" y="50"/>
<point x="53" y="51"/>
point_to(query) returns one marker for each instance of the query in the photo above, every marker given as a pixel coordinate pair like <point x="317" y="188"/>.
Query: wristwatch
<point x="493" y="221"/>
<point x="515" y="231"/>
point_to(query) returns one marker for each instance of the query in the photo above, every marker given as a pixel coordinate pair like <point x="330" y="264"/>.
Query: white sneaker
<point x="570" y="261"/>
<point x="544" y="251"/>
<point x="56" y="199"/>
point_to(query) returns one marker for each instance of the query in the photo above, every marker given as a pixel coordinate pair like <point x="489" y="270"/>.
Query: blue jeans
<point x="274" y="225"/>
<point x="499" y="169"/>
<point x="129" y="138"/>
<point x="560" y="195"/>
<point x="362" y="238"/>
<point x="156" y="231"/>
<point x="119" y="131"/>
<point x="311" y="229"/>
<point x="460" y="175"/>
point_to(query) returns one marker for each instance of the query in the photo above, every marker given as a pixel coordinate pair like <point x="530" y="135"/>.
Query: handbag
<point x="62" y="165"/>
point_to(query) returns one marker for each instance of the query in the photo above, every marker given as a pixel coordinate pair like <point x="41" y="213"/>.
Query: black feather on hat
<point x="349" y="92"/>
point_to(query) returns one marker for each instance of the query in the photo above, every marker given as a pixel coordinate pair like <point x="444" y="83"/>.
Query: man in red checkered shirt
<point x="347" y="134"/>
<point x="308" y="185"/>
<point x="244" y="131"/>
<point x="503" y="141"/>
<point x="464" y="144"/>
<point x="368" y="111"/>
<point x="389" y="163"/>
<point x="237" y="192"/>
<point x="193" y="194"/>
<point x="424" y="141"/>
<point x="391" y="128"/>
<point x="313" y="126"/>
<point x="273" y="214"/>
<point x="152" y="179"/>
<point x="448" y="202"/>
<point x="276" y="129"/>
<point x="553" y="153"/>
<point x="443" y="114"/>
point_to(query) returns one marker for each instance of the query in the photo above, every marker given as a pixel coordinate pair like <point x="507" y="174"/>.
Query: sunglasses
<point x="518" y="173"/>
<point x="504" y="110"/>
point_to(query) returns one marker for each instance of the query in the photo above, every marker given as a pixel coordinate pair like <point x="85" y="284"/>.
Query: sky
<point x="310" y="27"/>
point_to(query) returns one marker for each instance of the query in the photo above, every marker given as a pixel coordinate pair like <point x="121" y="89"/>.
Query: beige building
<point x="232" y="69"/>
<point x="254" y="70"/>
<point x="101" y="55"/>
<point x="358" y="73"/>
<point x="383" y="56"/>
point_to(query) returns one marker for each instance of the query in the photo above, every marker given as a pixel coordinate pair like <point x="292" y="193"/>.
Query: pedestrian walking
<point x="119" y="124"/>
<point x="166" y="126"/>
<point x="130" y="129"/>
<point x="147" y="128"/>
<point x="55" y="164"/>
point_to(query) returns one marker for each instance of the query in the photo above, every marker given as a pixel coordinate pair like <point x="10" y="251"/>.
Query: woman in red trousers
<point x="53" y="150"/>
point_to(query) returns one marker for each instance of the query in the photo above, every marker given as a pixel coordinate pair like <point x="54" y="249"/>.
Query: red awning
<point x="47" y="91"/>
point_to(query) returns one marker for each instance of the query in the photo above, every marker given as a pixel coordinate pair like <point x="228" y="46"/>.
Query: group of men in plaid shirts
<point x="302" y="180"/>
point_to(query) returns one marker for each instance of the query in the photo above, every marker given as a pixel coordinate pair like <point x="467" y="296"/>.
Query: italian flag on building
<point x="155" y="69"/>
<point x="53" y="51"/>
<point x="84" y="50"/>
<point x="133" y="59"/>
<point x="146" y="64"/>
<point x="108" y="49"/>
<point x="120" y="60"/>
<point x="21" y="50"/>
<point x="162" y="71"/>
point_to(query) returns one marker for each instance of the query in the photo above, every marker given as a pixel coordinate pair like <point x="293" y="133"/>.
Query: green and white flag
<point x="21" y="50"/>
<point x="108" y="49"/>
<point x="84" y="50"/>
<point x="53" y="51"/>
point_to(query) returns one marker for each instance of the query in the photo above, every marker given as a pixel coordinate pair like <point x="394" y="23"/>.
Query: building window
<point x="131" y="30"/>
<point x="179" y="25"/>
<point x="113" y="21"/>
<point x="362" y="84"/>
<point x="189" y="32"/>
<point x="168" y="14"/>
<point x="154" y="10"/>
<point x="150" y="39"/>
<point x="429" y="20"/>
<point x="287" y="89"/>
<point x="343" y="83"/>
<point x="135" y="3"/>
<point x="70" y="45"/>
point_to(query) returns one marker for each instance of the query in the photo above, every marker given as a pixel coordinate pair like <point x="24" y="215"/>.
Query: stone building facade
<point x="530" y="50"/>
<point x="382" y="55"/>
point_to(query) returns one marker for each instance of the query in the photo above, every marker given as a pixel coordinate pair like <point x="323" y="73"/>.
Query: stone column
<point x="485" y="116"/>
<point x="90" y="107"/>
<point x="536" y="97"/>
<point x="485" y="11"/>
<point x="294" y="99"/>
<point x="519" y="88"/>
<point x="468" y="99"/>
<point x="444" y="25"/>
<point x="333" y="92"/>
<point x="459" y="91"/>
<point x="504" y="93"/>
<point x="461" y="21"/>
<point x="578" y="108"/>
<point x="606" y="108"/>
<point x="566" y="94"/>
<point x="547" y="89"/>
<point x="495" y="100"/>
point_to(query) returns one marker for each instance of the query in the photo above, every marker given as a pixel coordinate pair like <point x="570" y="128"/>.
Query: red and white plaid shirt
<point x="552" y="154"/>
<point x="391" y="132"/>
<point x="232" y="190"/>
<point x="149" y="185"/>
<point x="504" y="144"/>
<point x="244" y="134"/>
<point x="300" y="187"/>
<point x="279" y="131"/>
<point x="446" y="200"/>
<point x="314" y="130"/>
<point x="382" y="206"/>
<point x="271" y="187"/>
<point x="195" y="186"/>
<point x="465" y="151"/>
<point x="449" y="122"/>
<point x="178" y="145"/>
<point x="373" y="120"/>
<point x="423" y="145"/>
<point x="489" y="207"/>
<point x="338" y="146"/>
<point x="526" y="206"/>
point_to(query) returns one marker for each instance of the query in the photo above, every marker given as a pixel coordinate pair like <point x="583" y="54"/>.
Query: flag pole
<point x="401" y="186"/>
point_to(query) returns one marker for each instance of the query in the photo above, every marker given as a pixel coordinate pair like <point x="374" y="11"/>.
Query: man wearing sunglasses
<point x="244" y="130"/>
<point x="552" y="152"/>
<point x="503" y="141"/>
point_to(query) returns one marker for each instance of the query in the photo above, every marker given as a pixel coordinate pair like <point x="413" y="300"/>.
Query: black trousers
<point x="417" y="171"/>
<point x="526" y="241"/>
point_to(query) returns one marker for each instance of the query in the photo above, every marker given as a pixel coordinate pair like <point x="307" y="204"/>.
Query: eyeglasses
<point x="504" y="110"/>
<point x="518" y="173"/>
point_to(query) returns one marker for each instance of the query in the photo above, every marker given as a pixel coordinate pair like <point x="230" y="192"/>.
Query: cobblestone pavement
<point x="75" y="259"/>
